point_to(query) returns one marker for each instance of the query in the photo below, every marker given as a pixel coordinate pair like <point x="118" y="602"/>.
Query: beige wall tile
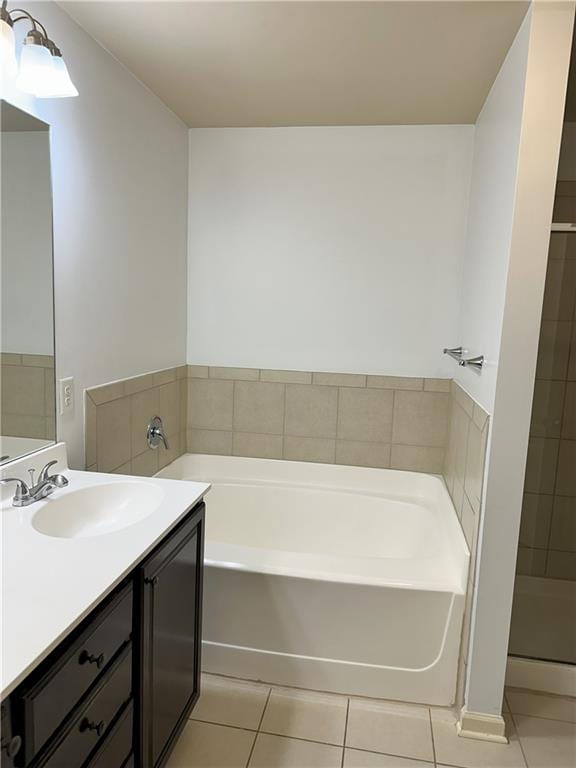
<point x="394" y="382"/>
<point x="561" y="565"/>
<point x="531" y="562"/>
<point x="536" y="519"/>
<point x="311" y="411"/>
<point x="309" y="449"/>
<point x="417" y="458"/>
<point x="24" y="426"/>
<point x="107" y="392"/>
<point x="210" y="404"/>
<point x="572" y="362"/>
<point x="259" y="446"/>
<point x="480" y="417"/>
<point x="547" y="408"/>
<point x="474" y="473"/>
<point x="259" y="407"/>
<point x="181" y="372"/>
<point x="458" y="497"/>
<point x="463" y="399"/>
<point x="541" y="465"/>
<point x="553" y="349"/>
<point x="237" y="374"/>
<point x="437" y="385"/>
<point x="125" y="469"/>
<point x="198" y="371"/>
<point x="49" y="393"/>
<point x="50" y="430"/>
<point x="22" y="391"/>
<point x="39" y="361"/>
<point x="339" y="379"/>
<point x="113" y="434"/>
<point x="359" y="454"/>
<point x="566" y="478"/>
<point x="365" y="414"/>
<point x="469" y="523"/>
<point x="10" y="358"/>
<point x="458" y="441"/>
<point x="209" y="441"/>
<point x="569" y="416"/>
<point x="563" y="533"/>
<point x="169" y="407"/>
<point x="420" y="418"/>
<point x="146" y="464"/>
<point x="139" y="383"/>
<point x="90" y="431"/>
<point x="143" y="406"/>
<point x="164" y="377"/>
<point x="286" y="377"/>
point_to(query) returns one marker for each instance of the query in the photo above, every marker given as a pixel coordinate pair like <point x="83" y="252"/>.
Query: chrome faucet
<point x="155" y="433"/>
<point x="27" y="494"/>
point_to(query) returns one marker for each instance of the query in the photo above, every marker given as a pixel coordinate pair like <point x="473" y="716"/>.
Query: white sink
<point x="97" y="510"/>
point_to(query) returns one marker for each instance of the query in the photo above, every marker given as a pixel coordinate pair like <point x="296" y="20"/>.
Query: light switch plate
<point x="66" y="395"/>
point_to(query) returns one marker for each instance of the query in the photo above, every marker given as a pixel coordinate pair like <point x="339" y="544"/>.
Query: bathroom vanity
<point x="102" y="633"/>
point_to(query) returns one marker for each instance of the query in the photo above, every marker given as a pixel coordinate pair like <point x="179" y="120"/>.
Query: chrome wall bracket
<point x="466" y="362"/>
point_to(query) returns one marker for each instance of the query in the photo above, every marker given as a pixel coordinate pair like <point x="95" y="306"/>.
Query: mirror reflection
<point x="27" y="393"/>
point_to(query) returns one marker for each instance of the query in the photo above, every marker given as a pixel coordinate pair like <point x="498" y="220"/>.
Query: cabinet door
<point x="172" y="592"/>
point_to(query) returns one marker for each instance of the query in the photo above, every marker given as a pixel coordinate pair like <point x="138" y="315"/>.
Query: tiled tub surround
<point x="117" y="416"/>
<point x="27" y="395"/>
<point x="362" y="420"/>
<point x="464" y="474"/>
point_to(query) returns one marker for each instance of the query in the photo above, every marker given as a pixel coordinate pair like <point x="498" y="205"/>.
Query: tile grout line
<point x="345" y="731"/>
<point x="259" y="726"/>
<point x="512" y="718"/>
<point x="432" y="736"/>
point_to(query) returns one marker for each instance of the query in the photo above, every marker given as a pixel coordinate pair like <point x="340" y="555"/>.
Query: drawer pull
<point x="88" y="725"/>
<point x="12" y="747"/>
<point x="90" y="658"/>
<point x="153" y="581"/>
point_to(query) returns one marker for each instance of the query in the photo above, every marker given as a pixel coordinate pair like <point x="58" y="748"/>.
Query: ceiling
<point x="311" y="62"/>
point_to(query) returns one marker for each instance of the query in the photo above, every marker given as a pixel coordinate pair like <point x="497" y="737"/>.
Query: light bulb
<point x="8" y="63"/>
<point x="36" y="69"/>
<point x="61" y="86"/>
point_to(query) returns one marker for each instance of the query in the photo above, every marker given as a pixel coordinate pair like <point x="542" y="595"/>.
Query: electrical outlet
<point x="66" y="395"/>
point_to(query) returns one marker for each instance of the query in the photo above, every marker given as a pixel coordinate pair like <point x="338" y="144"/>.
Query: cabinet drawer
<point x="117" y="748"/>
<point x="92" y="725"/>
<point x="70" y="676"/>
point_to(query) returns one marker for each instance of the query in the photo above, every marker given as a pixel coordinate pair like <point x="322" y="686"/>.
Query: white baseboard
<point x="475" y="725"/>
<point x="545" y="676"/>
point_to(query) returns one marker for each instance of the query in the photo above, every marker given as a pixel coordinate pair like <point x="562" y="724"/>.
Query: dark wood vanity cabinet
<point x="117" y="691"/>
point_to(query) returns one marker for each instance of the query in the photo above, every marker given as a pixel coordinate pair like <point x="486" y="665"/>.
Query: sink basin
<point x="97" y="510"/>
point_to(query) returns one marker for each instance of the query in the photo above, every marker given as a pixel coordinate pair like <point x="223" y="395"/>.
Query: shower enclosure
<point x="543" y="625"/>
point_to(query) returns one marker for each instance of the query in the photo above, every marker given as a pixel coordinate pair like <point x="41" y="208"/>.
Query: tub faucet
<point x="27" y="494"/>
<point x="155" y="433"/>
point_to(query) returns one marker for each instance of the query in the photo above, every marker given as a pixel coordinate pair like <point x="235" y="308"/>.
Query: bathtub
<point x="335" y="578"/>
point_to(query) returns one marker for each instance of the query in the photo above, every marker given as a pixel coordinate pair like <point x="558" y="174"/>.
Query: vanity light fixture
<point x="42" y="71"/>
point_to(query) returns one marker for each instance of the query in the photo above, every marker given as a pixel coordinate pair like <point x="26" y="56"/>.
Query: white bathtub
<point x="330" y="577"/>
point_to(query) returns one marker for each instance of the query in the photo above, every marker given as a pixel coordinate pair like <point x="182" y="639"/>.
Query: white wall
<point x="537" y="67"/>
<point x="26" y="252"/>
<point x="333" y="249"/>
<point x="119" y="166"/>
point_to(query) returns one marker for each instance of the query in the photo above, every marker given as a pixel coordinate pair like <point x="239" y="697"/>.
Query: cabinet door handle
<point x="153" y="581"/>
<point x="90" y="658"/>
<point x="12" y="747"/>
<point x="88" y="725"/>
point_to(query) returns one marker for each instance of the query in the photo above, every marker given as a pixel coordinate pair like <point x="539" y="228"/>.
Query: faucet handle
<point x="44" y="472"/>
<point x="22" y="490"/>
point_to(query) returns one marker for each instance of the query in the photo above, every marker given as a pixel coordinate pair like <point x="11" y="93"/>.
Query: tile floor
<point x="238" y="724"/>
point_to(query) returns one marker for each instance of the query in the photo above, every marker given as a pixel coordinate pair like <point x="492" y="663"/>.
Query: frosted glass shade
<point x="36" y="70"/>
<point x="8" y="63"/>
<point x="61" y="86"/>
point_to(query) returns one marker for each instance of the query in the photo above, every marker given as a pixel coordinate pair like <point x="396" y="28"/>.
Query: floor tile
<point x="231" y="702"/>
<point x="356" y="758"/>
<point x="203" y="745"/>
<point x="282" y="752"/>
<point x="306" y="715"/>
<point x="547" y="743"/>
<point x="452" y="749"/>
<point x="396" y="729"/>
<point x="541" y="705"/>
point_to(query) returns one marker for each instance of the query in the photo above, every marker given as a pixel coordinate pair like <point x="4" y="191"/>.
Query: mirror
<point x="27" y="392"/>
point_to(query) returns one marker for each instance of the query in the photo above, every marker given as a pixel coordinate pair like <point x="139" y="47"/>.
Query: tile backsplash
<point x="27" y="395"/>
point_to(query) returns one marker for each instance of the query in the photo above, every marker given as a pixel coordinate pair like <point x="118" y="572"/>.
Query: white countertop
<point x="50" y="584"/>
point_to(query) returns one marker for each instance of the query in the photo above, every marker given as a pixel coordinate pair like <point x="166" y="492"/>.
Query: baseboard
<point x="545" y="676"/>
<point x="475" y="725"/>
